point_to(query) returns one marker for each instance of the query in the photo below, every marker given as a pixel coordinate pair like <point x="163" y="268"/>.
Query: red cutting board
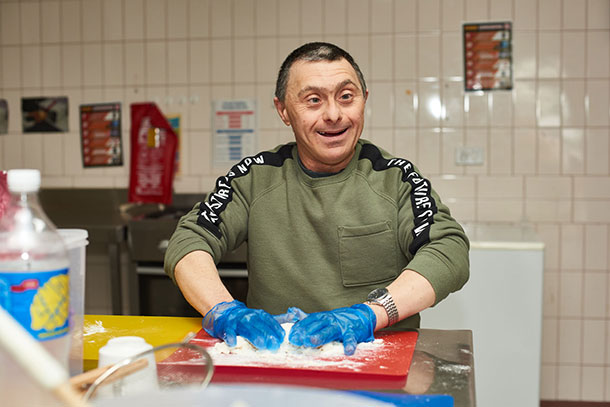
<point x="384" y="366"/>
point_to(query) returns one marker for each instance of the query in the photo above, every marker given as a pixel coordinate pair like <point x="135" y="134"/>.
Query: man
<point x="331" y="221"/>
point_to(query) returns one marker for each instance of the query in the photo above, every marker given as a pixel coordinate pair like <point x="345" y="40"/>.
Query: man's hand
<point x="227" y="320"/>
<point x="350" y="325"/>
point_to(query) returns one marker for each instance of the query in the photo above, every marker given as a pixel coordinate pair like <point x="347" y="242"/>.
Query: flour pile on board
<point x="96" y="327"/>
<point x="331" y="354"/>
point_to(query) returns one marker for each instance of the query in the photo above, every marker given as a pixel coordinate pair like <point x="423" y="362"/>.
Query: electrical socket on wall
<point x="469" y="156"/>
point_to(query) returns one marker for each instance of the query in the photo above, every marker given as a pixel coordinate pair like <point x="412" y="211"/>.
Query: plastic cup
<point x="76" y="243"/>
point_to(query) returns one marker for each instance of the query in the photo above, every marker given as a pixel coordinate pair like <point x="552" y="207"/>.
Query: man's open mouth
<point x="332" y="133"/>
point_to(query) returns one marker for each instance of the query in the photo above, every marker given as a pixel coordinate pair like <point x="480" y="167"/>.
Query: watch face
<point x="377" y="294"/>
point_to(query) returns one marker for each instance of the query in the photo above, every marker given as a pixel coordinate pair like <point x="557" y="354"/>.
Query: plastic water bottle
<point x="34" y="284"/>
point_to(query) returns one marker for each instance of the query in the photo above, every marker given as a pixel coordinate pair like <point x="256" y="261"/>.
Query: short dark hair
<point x="314" y="51"/>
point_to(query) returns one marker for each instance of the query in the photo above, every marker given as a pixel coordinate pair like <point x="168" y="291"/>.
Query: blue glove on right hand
<point x="229" y="319"/>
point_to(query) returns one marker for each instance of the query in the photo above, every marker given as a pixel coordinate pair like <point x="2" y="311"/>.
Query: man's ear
<point x="281" y="110"/>
<point x="366" y="95"/>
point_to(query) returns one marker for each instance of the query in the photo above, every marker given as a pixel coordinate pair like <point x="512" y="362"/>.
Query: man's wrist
<point x="380" y="314"/>
<point x="383" y="298"/>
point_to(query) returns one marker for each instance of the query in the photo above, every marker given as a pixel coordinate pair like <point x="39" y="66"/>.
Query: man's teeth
<point x="331" y="133"/>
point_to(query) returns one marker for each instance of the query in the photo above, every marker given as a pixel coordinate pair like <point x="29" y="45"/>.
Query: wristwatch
<point x="382" y="296"/>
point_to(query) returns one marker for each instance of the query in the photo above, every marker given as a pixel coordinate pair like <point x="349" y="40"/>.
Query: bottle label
<point x="39" y="301"/>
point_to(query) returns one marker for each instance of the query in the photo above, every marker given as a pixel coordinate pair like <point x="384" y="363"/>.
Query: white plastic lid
<point x="23" y="180"/>
<point x="119" y="348"/>
<point x="74" y="238"/>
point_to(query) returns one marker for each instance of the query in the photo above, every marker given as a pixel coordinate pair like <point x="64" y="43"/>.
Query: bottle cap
<point x="23" y="180"/>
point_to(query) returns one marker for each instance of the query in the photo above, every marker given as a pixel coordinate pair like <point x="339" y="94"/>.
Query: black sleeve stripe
<point x="210" y="209"/>
<point x="422" y="202"/>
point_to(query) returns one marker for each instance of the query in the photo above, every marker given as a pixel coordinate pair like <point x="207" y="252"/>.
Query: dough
<point x="288" y="355"/>
<point x="243" y="347"/>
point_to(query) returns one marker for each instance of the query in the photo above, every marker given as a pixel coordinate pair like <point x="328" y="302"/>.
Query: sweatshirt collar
<point x="315" y="178"/>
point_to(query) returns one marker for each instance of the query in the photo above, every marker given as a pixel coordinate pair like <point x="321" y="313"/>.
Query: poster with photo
<point x="488" y="56"/>
<point x="44" y="114"/>
<point x="3" y="116"/>
<point x="100" y="129"/>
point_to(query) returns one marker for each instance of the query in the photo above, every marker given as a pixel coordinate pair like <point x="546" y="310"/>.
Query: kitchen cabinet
<point x="502" y="305"/>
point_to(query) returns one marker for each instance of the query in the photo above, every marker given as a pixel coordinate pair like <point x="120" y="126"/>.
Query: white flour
<point x="288" y="355"/>
<point x="96" y="327"/>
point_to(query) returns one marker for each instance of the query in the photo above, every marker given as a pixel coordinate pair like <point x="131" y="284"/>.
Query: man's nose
<point x="332" y="112"/>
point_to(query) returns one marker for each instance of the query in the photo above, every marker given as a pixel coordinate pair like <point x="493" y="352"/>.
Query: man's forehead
<point x="312" y="73"/>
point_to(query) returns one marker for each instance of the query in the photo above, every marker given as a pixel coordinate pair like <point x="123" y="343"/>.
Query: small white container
<point x="76" y="243"/>
<point x="120" y="348"/>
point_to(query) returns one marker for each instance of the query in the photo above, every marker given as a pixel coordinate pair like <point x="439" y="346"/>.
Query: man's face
<point x="324" y="104"/>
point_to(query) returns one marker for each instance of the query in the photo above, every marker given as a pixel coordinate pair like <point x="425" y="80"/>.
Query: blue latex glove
<point x="350" y="325"/>
<point x="228" y="319"/>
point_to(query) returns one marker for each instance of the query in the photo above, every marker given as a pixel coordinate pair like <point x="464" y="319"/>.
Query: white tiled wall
<point x="546" y="143"/>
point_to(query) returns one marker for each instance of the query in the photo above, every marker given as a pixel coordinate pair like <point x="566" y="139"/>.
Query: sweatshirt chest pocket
<point x="367" y="254"/>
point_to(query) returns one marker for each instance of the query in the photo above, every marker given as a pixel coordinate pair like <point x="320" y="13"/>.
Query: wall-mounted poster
<point x="44" y="114"/>
<point x="174" y="121"/>
<point x="234" y="134"/>
<point x="488" y="56"/>
<point x="100" y="131"/>
<point x="3" y="116"/>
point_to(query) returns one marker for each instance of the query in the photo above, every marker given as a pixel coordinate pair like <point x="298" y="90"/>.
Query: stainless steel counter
<point x="443" y="363"/>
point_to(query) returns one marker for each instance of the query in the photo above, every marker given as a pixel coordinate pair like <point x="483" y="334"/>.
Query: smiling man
<point x="324" y="104"/>
<point x="343" y="238"/>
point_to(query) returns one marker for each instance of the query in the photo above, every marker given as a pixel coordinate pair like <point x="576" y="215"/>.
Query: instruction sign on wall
<point x="234" y="124"/>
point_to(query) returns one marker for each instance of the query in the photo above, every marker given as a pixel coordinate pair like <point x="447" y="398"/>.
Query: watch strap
<point x="387" y="302"/>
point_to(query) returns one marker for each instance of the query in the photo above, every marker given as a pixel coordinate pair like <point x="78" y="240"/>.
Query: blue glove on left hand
<point x="350" y="325"/>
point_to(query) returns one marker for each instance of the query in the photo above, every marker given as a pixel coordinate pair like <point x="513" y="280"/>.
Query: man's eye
<point x="347" y="96"/>
<point x="314" y="100"/>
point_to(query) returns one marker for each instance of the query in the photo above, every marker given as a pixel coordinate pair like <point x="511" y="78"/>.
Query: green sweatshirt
<point x="319" y="243"/>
